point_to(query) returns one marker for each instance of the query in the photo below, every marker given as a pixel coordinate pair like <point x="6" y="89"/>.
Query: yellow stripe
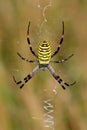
<point x="43" y="58"/>
<point x="44" y="48"/>
<point x="44" y="53"/>
<point x="47" y="49"/>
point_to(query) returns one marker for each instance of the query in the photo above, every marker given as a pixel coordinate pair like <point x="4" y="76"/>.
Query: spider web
<point x="47" y="103"/>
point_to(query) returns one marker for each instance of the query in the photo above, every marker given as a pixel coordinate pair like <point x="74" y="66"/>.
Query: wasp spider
<point x="43" y="60"/>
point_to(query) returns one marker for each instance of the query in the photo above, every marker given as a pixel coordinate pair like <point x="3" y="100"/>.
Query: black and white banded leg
<point x="25" y="59"/>
<point x="28" y="40"/>
<point x="60" y="43"/>
<point x="21" y="83"/>
<point x="60" y="81"/>
<point x="63" y="60"/>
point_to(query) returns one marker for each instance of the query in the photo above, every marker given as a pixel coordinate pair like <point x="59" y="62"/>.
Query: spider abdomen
<point x="44" y="52"/>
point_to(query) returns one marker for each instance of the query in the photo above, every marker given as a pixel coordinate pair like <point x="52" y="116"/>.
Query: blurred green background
<point x="23" y="109"/>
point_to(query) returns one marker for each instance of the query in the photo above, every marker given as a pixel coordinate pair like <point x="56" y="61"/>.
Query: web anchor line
<point x="44" y="9"/>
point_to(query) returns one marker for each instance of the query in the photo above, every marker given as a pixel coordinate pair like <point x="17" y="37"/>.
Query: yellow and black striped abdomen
<point x="44" y="52"/>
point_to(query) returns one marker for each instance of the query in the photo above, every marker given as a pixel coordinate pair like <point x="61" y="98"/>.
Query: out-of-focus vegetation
<point x="23" y="109"/>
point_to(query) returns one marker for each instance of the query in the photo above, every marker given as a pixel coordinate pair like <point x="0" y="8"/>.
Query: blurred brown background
<point x="23" y="109"/>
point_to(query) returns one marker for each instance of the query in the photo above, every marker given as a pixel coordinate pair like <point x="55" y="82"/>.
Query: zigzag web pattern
<point x="49" y="111"/>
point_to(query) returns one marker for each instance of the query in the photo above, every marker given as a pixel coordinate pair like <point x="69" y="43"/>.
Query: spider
<point x="43" y="60"/>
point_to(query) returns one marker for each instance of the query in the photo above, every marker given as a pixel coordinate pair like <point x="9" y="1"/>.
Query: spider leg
<point x="63" y="60"/>
<point x="25" y="59"/>
<point x="28" y="40"/>
<point x="27" y="78"/>
<point x="60" y="43"/>
<point x="60" y="81"/>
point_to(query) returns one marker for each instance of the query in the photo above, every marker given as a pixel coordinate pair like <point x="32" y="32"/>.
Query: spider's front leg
<point x="61" y="41"/>
<point x="27" y="78"/>
<point x="60" y="81"/>
<point x="29" y="43"/>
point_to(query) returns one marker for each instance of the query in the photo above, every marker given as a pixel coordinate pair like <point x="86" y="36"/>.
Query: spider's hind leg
<point x="27" y="78"/>
<point x="18" y="82"/>
<point x="60" y="81"/>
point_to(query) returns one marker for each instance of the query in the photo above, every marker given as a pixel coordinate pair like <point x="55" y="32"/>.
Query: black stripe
<point x="26" y="79"/>
<point x="57" y="77"/>
<point x="19" y="82"/>
<point x="28" y="40"/>
<point x="61" y="41"/>
<point x="33" y="51"/>
<point x="66" y="84"/>
<point x="60" y="80"/>
<point x="29" y="76"/>
<point x="21" y="86"/>
<point x="63" y="87"/>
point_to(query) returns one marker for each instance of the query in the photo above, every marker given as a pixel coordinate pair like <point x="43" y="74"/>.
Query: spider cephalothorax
<point x="43" y="60"/>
